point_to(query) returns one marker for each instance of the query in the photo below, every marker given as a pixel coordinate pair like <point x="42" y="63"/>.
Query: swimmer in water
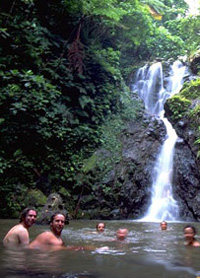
<point x="19" y="235"/>
<point x="122" y="234"/>
<point x="189" y="234"/>
<point x="100" y="227"/>
<point x="52" y="239"/>
<point x="163" y="225"/>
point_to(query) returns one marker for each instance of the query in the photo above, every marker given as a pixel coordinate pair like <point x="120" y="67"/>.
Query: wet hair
<point x="123" y="233"/>
<point x="97" y="225"/>
<point x="163" y="222"/>
<point x="54" y="215"/>
<point x="24" y="213"/>
<point x="191" y="227"/>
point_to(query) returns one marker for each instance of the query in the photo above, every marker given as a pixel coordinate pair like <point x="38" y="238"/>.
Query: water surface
<point x="147" y="252"/>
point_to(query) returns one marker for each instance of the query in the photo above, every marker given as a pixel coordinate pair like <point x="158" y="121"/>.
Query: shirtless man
<point x="19" y="235"/>
<point x="189" y="234"/>
<point x="51" y="238"/>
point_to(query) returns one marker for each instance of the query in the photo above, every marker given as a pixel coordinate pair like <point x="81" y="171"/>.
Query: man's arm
<point x="23" y="237"/>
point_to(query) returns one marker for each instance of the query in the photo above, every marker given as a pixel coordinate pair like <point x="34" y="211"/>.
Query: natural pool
<point x="147" y="252"/>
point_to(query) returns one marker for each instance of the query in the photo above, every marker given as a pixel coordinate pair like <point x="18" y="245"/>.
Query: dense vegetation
<point x="65" y="67"/>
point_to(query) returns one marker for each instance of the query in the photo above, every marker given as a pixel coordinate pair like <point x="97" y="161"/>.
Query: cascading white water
<point x="193" y="7"/>
<point x="150" y="86"/>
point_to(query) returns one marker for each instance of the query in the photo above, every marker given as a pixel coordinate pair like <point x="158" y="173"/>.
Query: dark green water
<point x="147" y="252"/>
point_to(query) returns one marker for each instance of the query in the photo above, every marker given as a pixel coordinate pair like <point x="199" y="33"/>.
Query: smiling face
<point x="57" y="224"/>
<point x="30" y="218"/>
<point x="189" y="234"/>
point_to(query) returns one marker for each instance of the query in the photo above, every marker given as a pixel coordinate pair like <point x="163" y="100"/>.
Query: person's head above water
<point x="122" y="234"/>
<point x="189" y="234"/>
<point x="51" y="238"/>
<point x="163" y="225"/>
<point x="100" y="227"/>
<point x="19" y="235"/>
<point x="57" y="222"/>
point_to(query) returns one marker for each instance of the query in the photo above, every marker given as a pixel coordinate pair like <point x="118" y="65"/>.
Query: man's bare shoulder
<point x="16" y="235"/>
<point x="18" y="228"/>
<point x="41" y="239"/>
<point x="44" y="235"/>
<point x="196" y="243"/>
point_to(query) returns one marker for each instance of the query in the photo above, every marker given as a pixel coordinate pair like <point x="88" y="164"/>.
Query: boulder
<point x="53" y="204"/>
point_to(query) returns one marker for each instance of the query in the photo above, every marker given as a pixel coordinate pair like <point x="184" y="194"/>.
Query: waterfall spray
<point x="150" y="86"/>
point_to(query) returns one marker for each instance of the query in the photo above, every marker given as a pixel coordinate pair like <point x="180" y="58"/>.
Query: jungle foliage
<point x="65" y="68"/>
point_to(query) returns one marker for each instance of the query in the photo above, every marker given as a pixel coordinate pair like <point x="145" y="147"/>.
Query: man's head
<point x="28" y="217"/>
<point x="100" y="227"/>
<point x="57" y="222"/>
<point x="122" y="234"/>
<point x="163" y="225"/>
<point x="189" y="232"/>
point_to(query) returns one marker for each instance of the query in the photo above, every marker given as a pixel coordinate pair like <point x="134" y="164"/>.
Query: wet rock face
<point x="187" y="173"/>
<point x="141" y="144"/>
<point x="142" y="141"/>
<point x="186" y="180"/>
<point x="130" y="180"/>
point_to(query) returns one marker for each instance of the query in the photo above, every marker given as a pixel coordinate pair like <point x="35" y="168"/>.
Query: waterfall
<point x="154" y="89"/>
<point x="193" y="7"/>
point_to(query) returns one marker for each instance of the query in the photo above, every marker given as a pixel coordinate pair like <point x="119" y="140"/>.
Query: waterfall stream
<point x="193" y="7"/>
<point x="154" y="88"/>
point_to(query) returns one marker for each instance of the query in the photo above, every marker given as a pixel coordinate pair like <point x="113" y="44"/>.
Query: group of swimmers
<point x="19" y="235"/>
<point x="121" y="233"/>
<point x="189" y="234"/>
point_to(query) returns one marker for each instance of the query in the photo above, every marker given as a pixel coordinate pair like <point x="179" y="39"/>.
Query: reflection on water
<point x="147" y="252"/>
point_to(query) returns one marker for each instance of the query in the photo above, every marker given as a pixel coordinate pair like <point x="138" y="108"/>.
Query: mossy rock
<point x="177" y="107"/>
<point x="191" y="90"/>
<point x="35" y="198"/>
<point x="195" y="63"/>
<point x="53" y="204"/>
<point x="90" y="163"/>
